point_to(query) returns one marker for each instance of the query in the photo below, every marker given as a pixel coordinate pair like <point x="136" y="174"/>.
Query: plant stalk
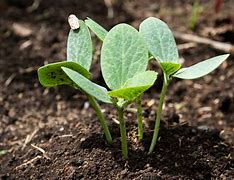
<point x="123" y="132"/>
<point x="159" y="112"/>
<point x="139" y="118"/>
<point x="101" y="118"/>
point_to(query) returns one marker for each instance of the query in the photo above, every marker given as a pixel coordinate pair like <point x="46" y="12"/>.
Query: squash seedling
<point x="161" y="44"/>
<point x="101" y="33"/>
<point x="124" y="59"/>
<point x="75" y="71"/>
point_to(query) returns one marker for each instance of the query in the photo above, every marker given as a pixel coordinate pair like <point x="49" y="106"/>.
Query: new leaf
<point x="135" y="86"/>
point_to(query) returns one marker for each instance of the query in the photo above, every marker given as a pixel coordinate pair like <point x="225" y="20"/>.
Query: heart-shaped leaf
<point x="160" y="40"/>
<point x="123" y="55"/>
<point x="201" y="69"/>
<point x="79" y="46"/>
<point x="52" y="75"/>
<point x="86" y="85"/>
<point x="135" y="86"/>
<point x="96" y="28"/>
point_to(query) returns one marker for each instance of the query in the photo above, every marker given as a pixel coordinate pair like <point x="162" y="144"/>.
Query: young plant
<point x="75" y="72"/>
<point x="161" y="44"/>
<point x="101" y="34"/>
<point x="124" y="59"/>
<point x="196" y="10"/>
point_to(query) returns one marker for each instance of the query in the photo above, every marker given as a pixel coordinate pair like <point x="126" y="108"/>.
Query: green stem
<point x="101" y="118"/>
<point x="159" y="111"/>
<point x="139" y="118"/>
<point x="123" y="132"/>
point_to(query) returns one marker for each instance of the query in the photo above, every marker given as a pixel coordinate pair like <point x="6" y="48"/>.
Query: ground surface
<point x="196" y="137"/>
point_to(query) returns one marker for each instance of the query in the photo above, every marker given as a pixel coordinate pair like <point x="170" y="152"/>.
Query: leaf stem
<point x="139" y="118"/>
<point x="101" y="118"/>
<point x="123" y="132"/>
<point x="159" y="111"/>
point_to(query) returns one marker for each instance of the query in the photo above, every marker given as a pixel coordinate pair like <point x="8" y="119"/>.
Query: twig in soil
<point x="27" y="70"/>
<point x="29" y="138"/>
<point x="115" y="120"/>
<point x="67" y="135"/>
<point x="28" y="162"/>
<point x="41" y="150"/>
<point x="226" y="47"/>
<point x="9" y="80"/>
<point x="34" y="6"/>
<point x="110" y="9"/>
<point x="186" y="46"/>
<point x="132" y="110"/>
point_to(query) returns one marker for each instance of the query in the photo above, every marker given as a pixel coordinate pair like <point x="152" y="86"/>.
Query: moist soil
<point x="54" y="133"/>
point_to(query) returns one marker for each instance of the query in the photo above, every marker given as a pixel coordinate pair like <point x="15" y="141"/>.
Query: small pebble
<point x="82" y="139"/>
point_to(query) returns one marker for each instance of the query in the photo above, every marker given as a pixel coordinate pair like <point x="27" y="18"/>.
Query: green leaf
<point x="52" y="75"/>
<point x="123" y="55"/>
<point x="86" y="85"/>
<point x="79" y="46"/>
<point x="170" y="67"/>
<point x="201" y="69"/>
<point x="146" y="78"/>
<point x="135" y="86"/>
<point x="160" y="40"/>
<point x="96" y="28"/>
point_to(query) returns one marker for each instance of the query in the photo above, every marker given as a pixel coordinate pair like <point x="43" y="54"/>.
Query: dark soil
<point x="196" y="139"/>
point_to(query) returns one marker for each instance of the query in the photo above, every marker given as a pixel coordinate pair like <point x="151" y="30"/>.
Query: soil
<point x="54" y="133"/>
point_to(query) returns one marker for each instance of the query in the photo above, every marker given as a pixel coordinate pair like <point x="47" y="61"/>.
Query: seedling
<point x="79" y="58"/>
<point x="101" y="34"/>
<point x="124" y="59"/>
<point x="196" y="10"/>
<point x="161" y="44"/>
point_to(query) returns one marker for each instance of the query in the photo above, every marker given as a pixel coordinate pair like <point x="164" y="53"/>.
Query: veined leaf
<point x="160" y="40"/>
<point x="135" y="86"/>
<point x="123" y="55"/>
<point x="142" y="79"/>
<point x="170" y="67"/>
<point x="96" y="28"/>
<point x="52" y="75"/>
<point x="79" y="46"/>
<point x="201" y="69"/>
<point x="86" y="85"/>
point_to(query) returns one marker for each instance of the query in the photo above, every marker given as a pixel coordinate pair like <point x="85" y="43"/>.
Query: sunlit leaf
<point x="135" y="86"/>
<point x="52" y="75"/>
<point x="160" y="40"/>
<point x="96" y="28"/>
<point x="123" y="55"/>
<point x="201" y="69"/>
